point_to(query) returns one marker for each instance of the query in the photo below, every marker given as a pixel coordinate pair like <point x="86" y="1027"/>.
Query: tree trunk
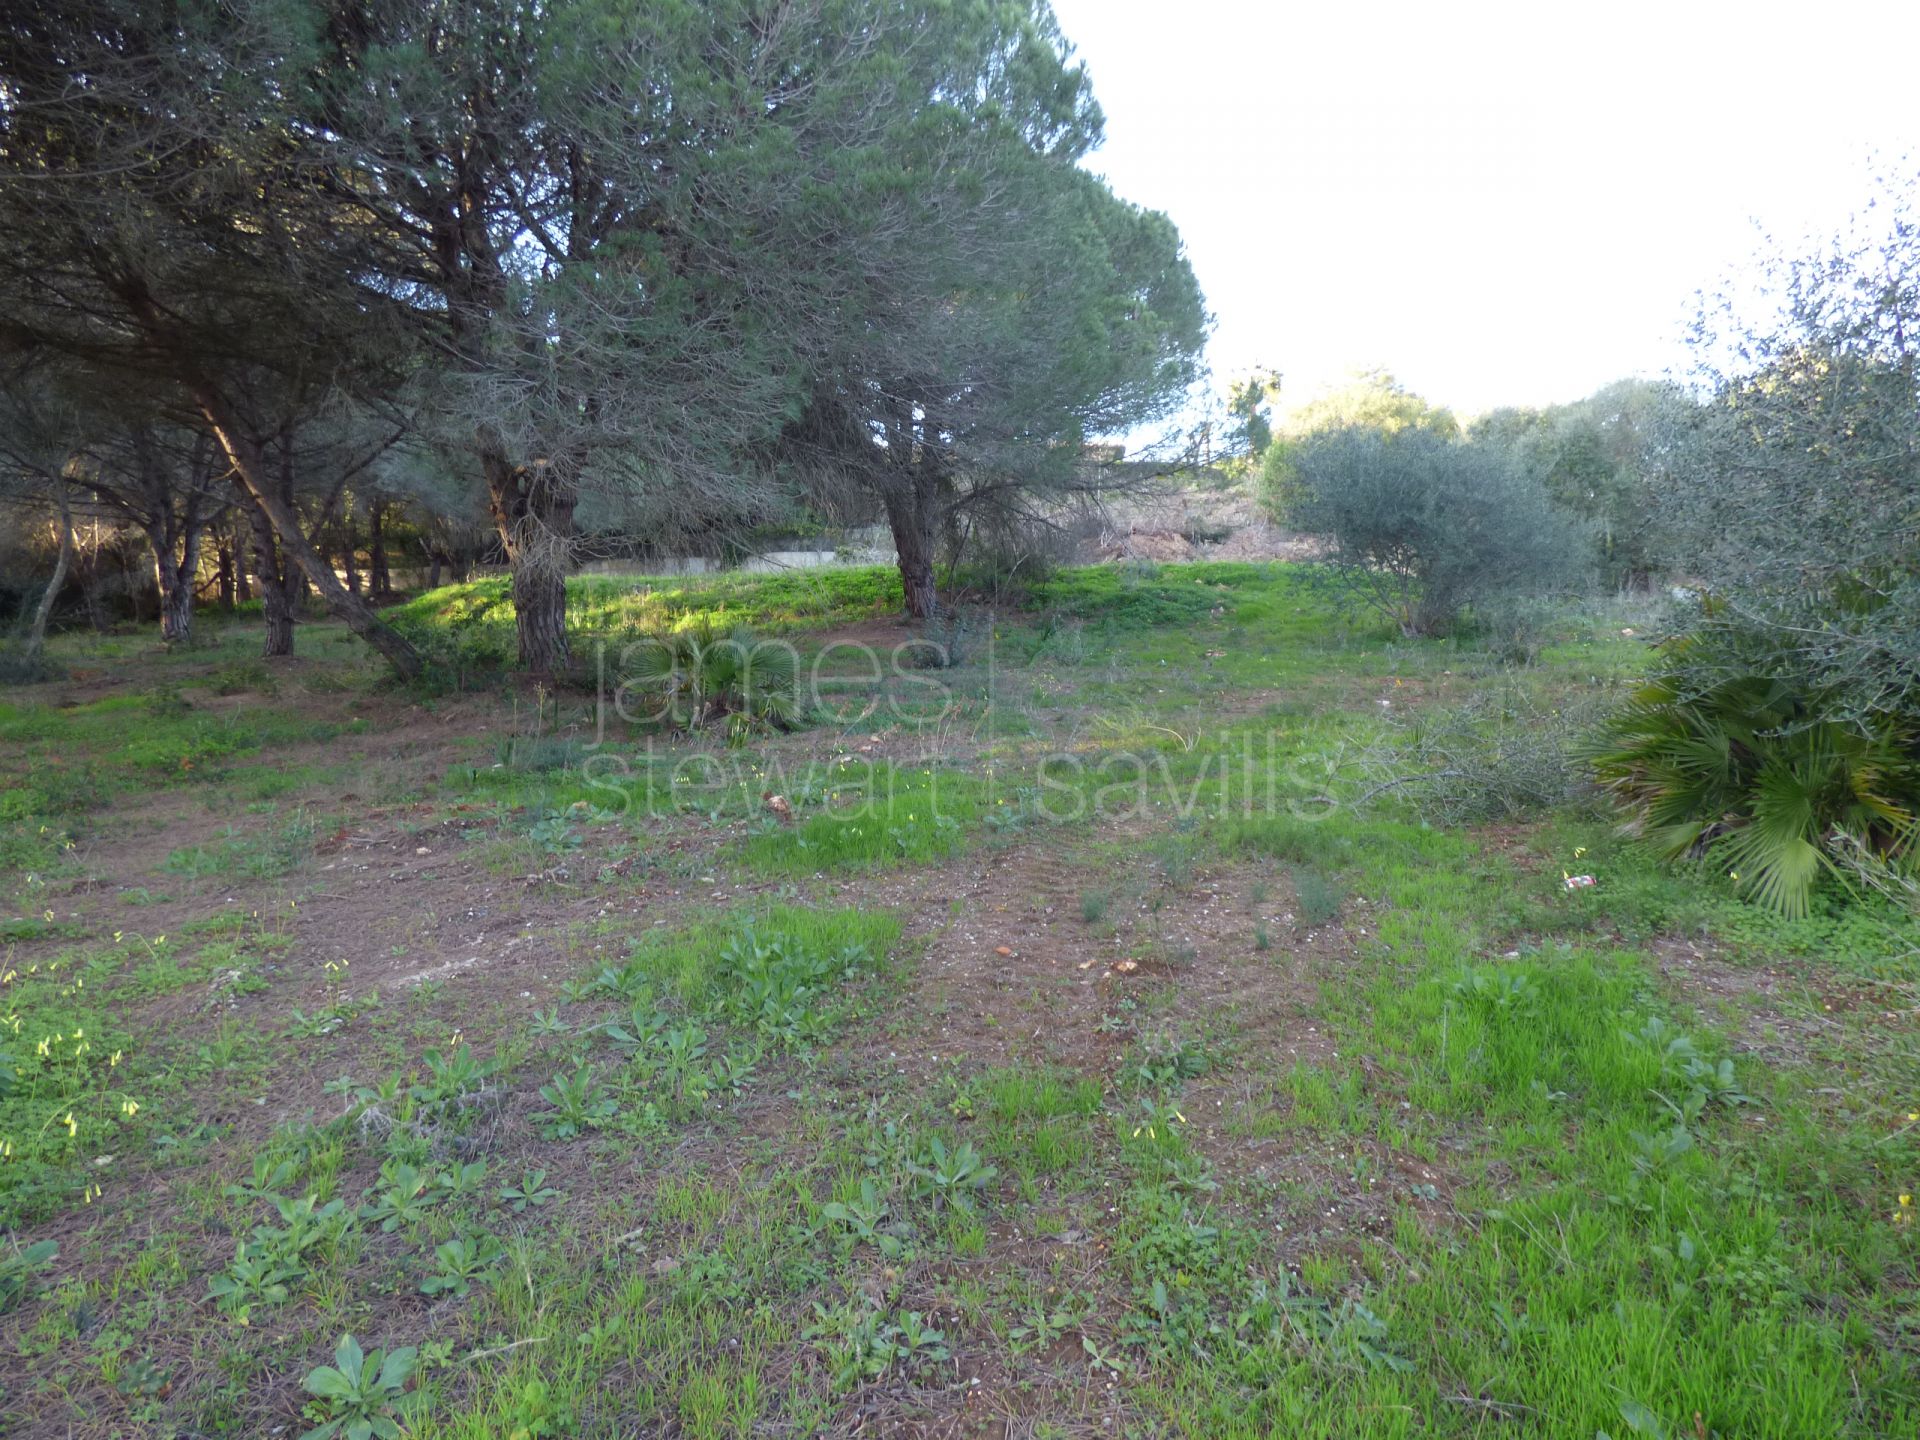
<point x="433" y="571"/>
<point x="348" y="546"/>
<point x="276" y="595"/>
<point x="173" y="579"/>
<point x="276" y="604"/>
<point x="224" y="571"/>
<point x="540" y="618"/>
<point x="914" y="518"/>
<point x="379" y="575"/>
<point x="244" y="454"/>
<point x="533" y="511"/>
<point x="89" y="571"/>
<point x="43" y="612"/>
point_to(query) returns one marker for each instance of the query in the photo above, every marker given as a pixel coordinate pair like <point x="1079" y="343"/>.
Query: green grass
<point x="472" y="624"/>
<point x="1480" y="1158"/>
<point x="879" y="815"/>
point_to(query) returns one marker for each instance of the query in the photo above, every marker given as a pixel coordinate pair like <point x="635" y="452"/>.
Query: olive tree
<point x="1418" y="526"/>
<point x="1371" y="400"/>
<point x="1602" y="458"/>
<point x="1794" y="490"/>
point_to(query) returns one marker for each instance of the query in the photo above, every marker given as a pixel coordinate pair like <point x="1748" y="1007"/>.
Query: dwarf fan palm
<point x="1745" y="768"/>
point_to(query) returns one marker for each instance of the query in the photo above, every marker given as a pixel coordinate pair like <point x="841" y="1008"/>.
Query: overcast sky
<point x="1503" y="204"/>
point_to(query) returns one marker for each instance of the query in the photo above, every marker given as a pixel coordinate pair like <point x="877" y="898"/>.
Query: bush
<point x="1795" y="489"/>
<point x="1419" y="526"/>
<point x="19" y="668"/>
<point x="1724" y="753"/>
<point x="1501" y="756"/>
<point x="697" y="674"/>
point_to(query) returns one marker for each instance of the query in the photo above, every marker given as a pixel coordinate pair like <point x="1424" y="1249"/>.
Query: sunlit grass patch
<point x="475" y="621"/>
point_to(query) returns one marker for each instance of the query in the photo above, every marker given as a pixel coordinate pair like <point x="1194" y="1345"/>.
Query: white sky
<point x="1502" y="203"/>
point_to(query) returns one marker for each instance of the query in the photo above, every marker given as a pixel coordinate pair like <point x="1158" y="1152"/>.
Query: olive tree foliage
<point x="1603" y="458"/>
<point x="1418" y="527"/>
<point x="1794" y="490"/>
<point x="1371" y="400"/>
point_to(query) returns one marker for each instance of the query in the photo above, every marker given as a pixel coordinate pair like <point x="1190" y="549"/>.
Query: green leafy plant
<point x="405" y="1200"/>
<point x="269" y="1177"/>
<point x="1750" y="771"/>
<point x="950" y="1176"/>
<point x="1041" y="1327"/>
<point x="867" y="1219"/>
<point x="256" y="1276"/>
<point x="779" y="985"/>
<point x="693" y="676"/>
<point x="449" y="1078"/>
<point x="532" y="1189"/>
<point x="1501" y="990"/>
<point x="579" y="1100"/>
<point x="864" y="1344"/>
<point x="20" y="1271"/>
<point x="304" y="1224"/>
<point x="360" y="1396"/>
<point x="461" y="1261"/>
<point x="536" y="1415"/>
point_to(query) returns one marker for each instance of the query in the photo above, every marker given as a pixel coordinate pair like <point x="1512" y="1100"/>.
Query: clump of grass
<point x="885" y="816"/>
<point x="243" y="676"/>
<point x="1317" y="896"/>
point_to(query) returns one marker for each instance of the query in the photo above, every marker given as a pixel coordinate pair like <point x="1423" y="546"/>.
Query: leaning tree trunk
<point x="276" y="593"/>
<point x="533" y="511"/>
<point x="250" y="465"/>
<point x="914" y="517"/>
<point x="43" y="612"/>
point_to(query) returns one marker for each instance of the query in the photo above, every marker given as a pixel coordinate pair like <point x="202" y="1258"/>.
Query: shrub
<point x="1751" y="767"/>
<point x="697" y="675"/>
<point x="1795" y="489"/>
<point x="17" y="667"/>
<point x="1419" y="526"/>
<point x="1500" y="756"/>
<point x="1371" y="400"/>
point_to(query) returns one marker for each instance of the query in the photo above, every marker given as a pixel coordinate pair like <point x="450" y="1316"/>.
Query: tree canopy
<point x="1372" y="400"/>
<point x="640" y="256"/>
